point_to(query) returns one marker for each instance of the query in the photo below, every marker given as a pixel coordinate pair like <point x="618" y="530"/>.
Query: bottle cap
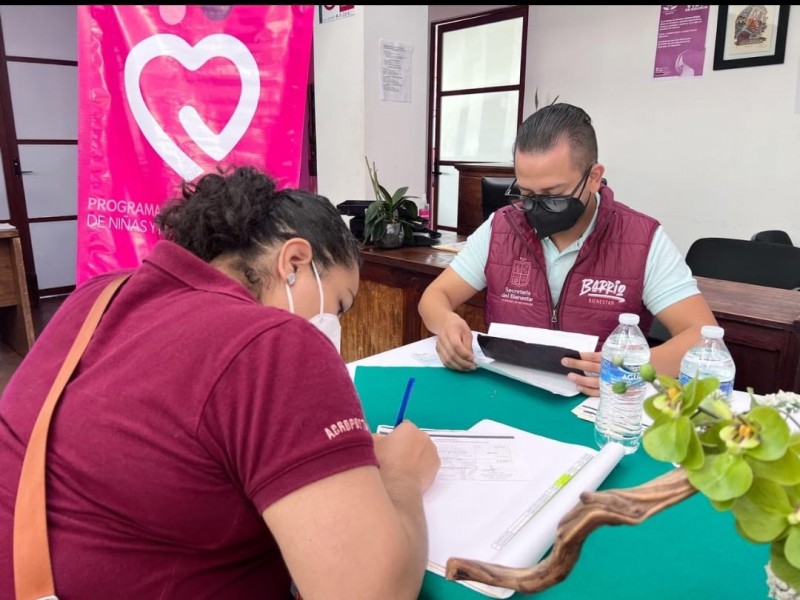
<point x="712" y="331"/>
<point x="629" y="319"/>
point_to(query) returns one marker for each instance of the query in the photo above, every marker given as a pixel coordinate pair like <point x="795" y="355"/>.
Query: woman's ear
<point x="294" y="254"/>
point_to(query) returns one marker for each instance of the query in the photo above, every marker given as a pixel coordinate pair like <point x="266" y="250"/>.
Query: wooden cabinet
<point x="762" y="325"/>
<point x="762" y="331"/>
<point x="16" y="323"/>
<point x="470" y="214"/>
<point x="385" y="314"/>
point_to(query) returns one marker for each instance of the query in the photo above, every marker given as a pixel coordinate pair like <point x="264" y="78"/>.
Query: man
<point x="565" y="255"/>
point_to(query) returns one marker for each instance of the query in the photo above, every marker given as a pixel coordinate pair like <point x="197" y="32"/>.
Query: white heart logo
<point x="216" y="146"/>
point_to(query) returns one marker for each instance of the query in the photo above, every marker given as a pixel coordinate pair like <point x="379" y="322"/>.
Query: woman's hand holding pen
<point x="407" y="453"/>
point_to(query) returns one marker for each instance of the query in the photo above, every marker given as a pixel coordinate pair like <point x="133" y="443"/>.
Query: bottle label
<point x="725" y="387"/>
<point x="610" y="373"/>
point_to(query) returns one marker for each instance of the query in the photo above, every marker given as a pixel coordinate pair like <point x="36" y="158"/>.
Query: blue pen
<point x="402" y="413"/>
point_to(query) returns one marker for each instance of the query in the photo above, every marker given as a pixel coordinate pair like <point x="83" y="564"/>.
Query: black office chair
<point x="773" y="236"/>
<point x="493" y="190"/>
<point x="746" y="261"/>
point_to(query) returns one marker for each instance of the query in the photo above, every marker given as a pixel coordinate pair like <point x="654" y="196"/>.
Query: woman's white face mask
<point x="327" y="323"/>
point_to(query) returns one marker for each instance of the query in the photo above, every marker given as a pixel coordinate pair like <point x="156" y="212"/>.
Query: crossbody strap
<point x="33" y="571"/>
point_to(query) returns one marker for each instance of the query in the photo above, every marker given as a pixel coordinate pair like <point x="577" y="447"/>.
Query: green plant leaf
<point x="399" y="195"/>
<point x="792" y="547"/>
<point x="408" y="208"/>
<point x="783" y="471"/>
<point x="695" y="457"/>
<point x="774" y="433"/>
<point x="668" y="382"/>
<point x="793" y="491"/>
<point x="695" y="391"/>
<point x="667" y="439"/>
<point x="742" y="532"/>
<point x="718" y="407"/>
<point x="762" y="511"/>
<point x="723" y="505"/>
<point x="710" y="438"/>
<point x="385" y="196"/>
<point x="649" y="405"/>
<point x="375" y="211"/>
<point x="722" y="476"/>
<point x="379" y="231"/>
<point x="781" y="567"/>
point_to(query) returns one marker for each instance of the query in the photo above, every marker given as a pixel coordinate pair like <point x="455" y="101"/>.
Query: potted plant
<point x="390" y="219"/>
<point x="747" y="463"/>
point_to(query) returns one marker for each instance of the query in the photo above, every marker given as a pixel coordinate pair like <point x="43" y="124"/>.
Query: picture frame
<point x="750" y="35"/>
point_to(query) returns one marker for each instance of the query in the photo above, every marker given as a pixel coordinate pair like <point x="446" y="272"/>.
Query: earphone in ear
<point x="291" y="278"/>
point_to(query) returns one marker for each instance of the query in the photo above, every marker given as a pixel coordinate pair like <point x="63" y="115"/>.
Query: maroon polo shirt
<point x="193" y="409"/>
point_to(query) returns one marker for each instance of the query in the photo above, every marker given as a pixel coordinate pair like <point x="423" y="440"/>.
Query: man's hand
<point x="454" y="344"/>
<point x="589" y="363"/>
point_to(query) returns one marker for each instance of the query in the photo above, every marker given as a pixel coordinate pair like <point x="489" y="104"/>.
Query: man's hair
<point x="241" y="212"/>
<point x="549" y="125"/>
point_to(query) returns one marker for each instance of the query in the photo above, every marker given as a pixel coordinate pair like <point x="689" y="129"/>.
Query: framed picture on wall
<point x="750" y="35"/>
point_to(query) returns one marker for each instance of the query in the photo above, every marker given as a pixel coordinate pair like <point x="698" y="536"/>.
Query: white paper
<point x="513" y="522"/>
<point x="473" y="456"/>
<point x="550" y="337"/>
<point x="395" y="71"/>
<point x="552" y="382"/>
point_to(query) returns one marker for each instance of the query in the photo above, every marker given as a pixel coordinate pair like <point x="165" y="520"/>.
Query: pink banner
<point x="167" y="92"/>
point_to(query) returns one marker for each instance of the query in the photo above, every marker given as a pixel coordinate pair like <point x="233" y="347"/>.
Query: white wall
<point x="352" y="121"/>
<point x="339" y="99"/>
<point x="441" y="12"/>
<point x="717" y="155"/>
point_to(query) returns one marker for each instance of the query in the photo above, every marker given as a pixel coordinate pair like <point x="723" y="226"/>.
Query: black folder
<point x="527" y="354"/>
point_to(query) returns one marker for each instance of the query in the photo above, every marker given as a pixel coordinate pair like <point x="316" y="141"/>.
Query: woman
<point x="211" y="443"/>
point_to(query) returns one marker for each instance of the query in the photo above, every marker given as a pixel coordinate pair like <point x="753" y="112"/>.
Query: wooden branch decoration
<point x="628" y="506"/>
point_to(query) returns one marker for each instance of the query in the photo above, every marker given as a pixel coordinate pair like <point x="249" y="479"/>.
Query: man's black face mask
<point x="550" y="214"/>
<point x="546" y="222"/>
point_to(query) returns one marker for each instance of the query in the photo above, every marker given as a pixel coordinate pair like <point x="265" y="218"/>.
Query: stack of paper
<point x="454" y="247"/>
<point x="556" y="383"/>
<point x="501" y="492"/>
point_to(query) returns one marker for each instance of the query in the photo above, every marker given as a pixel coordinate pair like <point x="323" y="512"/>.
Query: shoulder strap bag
<point x="33" y="571"/>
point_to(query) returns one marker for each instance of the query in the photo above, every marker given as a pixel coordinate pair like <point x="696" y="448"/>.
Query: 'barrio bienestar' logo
<point x="603" y="290"/>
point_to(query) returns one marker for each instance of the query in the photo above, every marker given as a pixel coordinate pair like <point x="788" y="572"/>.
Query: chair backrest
<point x="493" y="190"/>
<point x="773" y="236"/>
<point x="746" y="261"/>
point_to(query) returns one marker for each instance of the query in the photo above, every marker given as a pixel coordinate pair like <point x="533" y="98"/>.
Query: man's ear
<point x="294" y="254"/>
<point x="595" y="177"/>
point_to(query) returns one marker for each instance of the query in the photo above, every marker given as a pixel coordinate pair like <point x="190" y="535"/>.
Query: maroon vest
<point x="606" y="280"/>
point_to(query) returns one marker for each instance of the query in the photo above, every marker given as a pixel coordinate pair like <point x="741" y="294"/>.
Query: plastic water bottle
<point x="710" y="358"/>
<point x="425" y="212"/>
<point x="619" y="415"/>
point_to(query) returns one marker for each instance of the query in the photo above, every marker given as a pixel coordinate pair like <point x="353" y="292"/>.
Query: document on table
<point x="501" y="493"/>
<point x="552" y="382"/>
<point x="469" y="456"/>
